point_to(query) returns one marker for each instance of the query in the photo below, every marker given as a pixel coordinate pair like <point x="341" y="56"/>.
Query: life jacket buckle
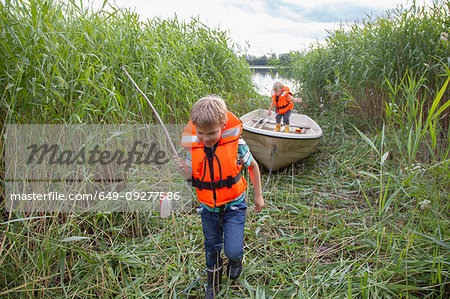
<point x="214" y="185"/>
<point x="229" y="181"/>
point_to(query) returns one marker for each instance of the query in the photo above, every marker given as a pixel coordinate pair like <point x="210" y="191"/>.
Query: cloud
<point x="266" y="25"/>
<point x="321" y="11"/>
<point x="282" y="9"/>
<point x="337" y="12"/>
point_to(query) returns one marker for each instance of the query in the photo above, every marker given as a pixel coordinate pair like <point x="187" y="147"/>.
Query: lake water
<point x="263" y="79"/>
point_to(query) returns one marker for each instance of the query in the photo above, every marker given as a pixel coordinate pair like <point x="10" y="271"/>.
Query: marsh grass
<point x="325" y="232"/>
<point x="61" y="63"/>
<point x="354" y="70"/>
<point x="389" y="76"/>
<point x="366" y="216"/>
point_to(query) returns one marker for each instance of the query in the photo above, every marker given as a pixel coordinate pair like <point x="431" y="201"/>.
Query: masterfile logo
<point x="90" y="168"/>
<point x="54" y="155"/>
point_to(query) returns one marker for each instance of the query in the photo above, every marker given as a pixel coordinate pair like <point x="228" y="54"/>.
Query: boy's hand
<point x="259" y="204"/>
<point x="181" y="167"/>
<point x="269" y="113"/>
<point x="298" y="100"/>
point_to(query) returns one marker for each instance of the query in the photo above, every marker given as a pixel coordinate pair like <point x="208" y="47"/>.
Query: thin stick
<point x="154" y="110"/>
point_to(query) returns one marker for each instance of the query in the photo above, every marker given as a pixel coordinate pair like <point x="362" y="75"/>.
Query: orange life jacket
<point x="218" y="177"/>
<point x="282" y="105"/>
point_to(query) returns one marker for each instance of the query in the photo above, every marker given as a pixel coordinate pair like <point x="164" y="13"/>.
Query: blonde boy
<point x="282" y="100"/>
<point x="214" y="162"/>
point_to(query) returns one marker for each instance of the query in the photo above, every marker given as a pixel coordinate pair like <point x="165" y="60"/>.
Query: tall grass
<point x="61" y="63"/>
<point x="389" y="74"/>
<point x="325" y="233"/>
<point x="366" y="216"/>
<point x="360" y="59"/>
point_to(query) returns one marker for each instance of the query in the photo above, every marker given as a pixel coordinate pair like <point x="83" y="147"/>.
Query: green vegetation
<point x="366" y="216"/>
<point x="361" y="62"/>
<point x="61" y="63"/>
<point x="268" y="60"/>
<point x="388" y="76"/>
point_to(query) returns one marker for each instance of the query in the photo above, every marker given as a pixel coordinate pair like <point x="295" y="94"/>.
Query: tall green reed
<point x="359" y="59"/>
<point x="61" y="63"/>
<point x="316" y="238"/>
<point x="389" y="74"/>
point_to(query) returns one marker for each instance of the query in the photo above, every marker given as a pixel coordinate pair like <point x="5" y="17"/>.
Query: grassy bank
<point x="345" y="222"/>
<point x="366" y="216"/>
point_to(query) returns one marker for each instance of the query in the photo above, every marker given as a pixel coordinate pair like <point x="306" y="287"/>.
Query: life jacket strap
<point x="228" y="182"/>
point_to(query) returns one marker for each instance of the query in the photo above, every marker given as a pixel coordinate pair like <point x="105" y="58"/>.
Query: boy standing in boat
<point x="282" y="100"/>
<point x="213" y="165"/>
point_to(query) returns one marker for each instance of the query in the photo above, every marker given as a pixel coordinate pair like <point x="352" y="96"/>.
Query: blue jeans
<point x="232" y="237"/>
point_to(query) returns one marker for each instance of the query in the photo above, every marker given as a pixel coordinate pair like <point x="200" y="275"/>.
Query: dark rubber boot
<point x="214" y="280"/>
<point x="234" y="268"/>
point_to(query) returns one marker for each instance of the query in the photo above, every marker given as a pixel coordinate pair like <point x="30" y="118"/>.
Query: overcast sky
<point x="267" y="26"/>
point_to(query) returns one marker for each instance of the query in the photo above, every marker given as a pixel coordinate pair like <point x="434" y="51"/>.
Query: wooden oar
<point x="164" y="204"/>
<point x="257" y="121"/>
<point x="272" y="122"/>
<point x="263" y="123"/>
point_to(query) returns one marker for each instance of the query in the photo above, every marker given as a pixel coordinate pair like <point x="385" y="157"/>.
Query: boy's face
<point x="209" y="136"/>
<point x="278" y="91"/>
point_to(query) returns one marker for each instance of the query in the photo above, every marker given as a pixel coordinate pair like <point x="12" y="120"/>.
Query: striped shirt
<point x="244" y="157"/>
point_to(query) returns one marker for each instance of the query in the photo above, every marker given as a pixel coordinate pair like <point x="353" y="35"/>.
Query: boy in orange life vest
<point x="282" y="100"/>
<point x="213" y="164"/>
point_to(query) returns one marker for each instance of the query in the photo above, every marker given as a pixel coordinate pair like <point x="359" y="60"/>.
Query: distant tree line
<point x="270" y="59"/>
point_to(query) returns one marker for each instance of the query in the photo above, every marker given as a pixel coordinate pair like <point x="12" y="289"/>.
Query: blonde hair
<point x="278" y="86"/>
<point x="209" y="111"/>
